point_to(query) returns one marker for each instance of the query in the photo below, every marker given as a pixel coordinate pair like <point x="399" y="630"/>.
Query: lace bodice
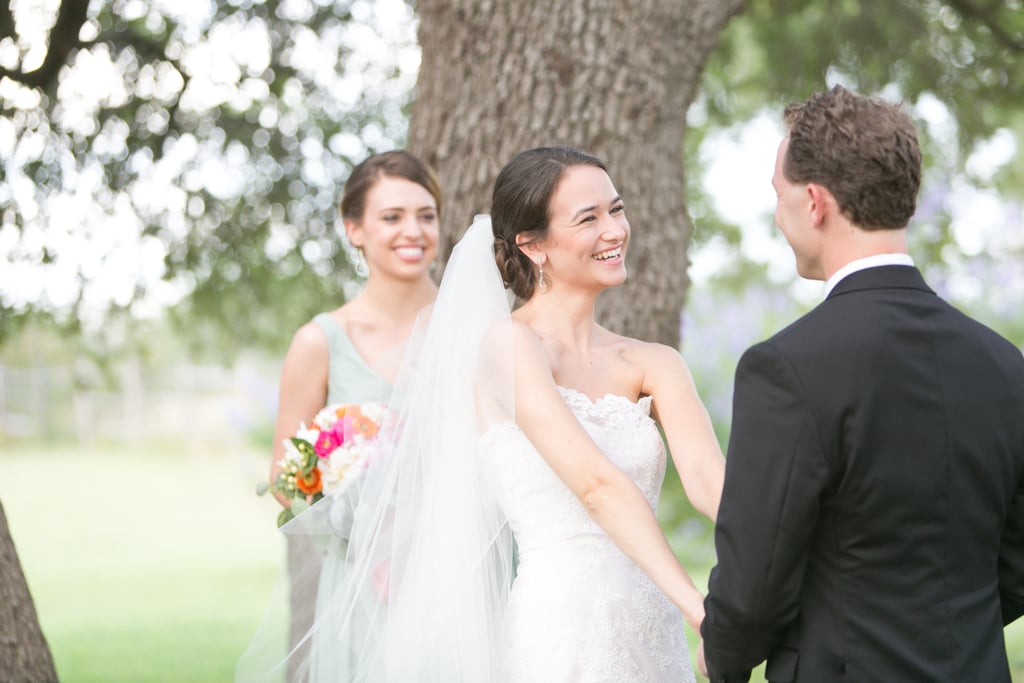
<point x="539" y="507"/>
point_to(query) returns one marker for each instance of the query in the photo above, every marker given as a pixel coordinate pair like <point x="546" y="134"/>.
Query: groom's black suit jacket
<point x="872" y="522"/>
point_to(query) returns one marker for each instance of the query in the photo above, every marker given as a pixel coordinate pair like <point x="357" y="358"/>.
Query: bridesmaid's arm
<point x="302" y="391"/>
<point x="610" y="497"/>
<point x="688" y="431"/>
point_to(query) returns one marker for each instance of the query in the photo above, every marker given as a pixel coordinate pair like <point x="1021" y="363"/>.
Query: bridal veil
<point x="429" y="552"/>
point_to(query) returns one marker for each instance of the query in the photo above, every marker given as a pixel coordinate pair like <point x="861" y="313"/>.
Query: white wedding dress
<point x="435" y="515"/>
<point x="580" y="611"/>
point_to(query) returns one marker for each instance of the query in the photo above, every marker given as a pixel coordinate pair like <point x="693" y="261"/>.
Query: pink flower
<point x="348" y="425"/>
<point x="328" y="440"/>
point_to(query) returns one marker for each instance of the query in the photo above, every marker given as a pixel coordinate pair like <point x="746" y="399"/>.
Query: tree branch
<point x="987" y="14"/>
<point x="6" y="19"/>
<point x="63" y="40"/>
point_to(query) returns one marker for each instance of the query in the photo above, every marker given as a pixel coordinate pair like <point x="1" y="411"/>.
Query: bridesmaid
<point x="391" y="210"/>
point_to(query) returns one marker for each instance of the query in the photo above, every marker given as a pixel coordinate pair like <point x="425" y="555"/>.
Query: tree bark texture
<point x="611" y="77"/>
<point x="24" y="655"/>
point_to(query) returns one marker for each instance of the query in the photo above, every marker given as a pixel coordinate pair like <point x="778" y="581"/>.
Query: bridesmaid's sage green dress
<point x="349" y="380"/>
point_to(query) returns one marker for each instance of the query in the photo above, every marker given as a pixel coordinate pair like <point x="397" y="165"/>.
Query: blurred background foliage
<point x="170" y="171"/>
<point x="169" y="174"/>
<point x="187" y="157"/>
<point x="959" y="65"/>
<point x="174" y="159"/>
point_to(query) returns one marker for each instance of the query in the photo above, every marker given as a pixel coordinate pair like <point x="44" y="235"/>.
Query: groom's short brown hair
<point x="863" y="150"/>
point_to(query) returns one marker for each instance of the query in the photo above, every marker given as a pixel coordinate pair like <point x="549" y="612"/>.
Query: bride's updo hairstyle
<point x="519" y="205"/>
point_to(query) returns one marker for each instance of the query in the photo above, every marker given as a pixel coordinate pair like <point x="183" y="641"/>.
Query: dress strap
<point x="346" y="363"/>
<point x="337" y="339"/>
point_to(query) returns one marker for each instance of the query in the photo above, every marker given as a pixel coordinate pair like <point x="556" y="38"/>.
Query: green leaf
<point x="304" y="447"/>
<point x="298" y="505"/>
<point x="284" y="517"/>
<point x="262" y="488"/>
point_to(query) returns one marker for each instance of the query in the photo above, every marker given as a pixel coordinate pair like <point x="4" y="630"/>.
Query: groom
<point x="872" y="522"/>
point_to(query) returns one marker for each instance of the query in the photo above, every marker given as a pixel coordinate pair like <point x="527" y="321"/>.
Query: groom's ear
<point x="821" y="203"/>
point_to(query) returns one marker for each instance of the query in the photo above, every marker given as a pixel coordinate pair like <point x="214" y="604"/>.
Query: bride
<point x="534" y="429"/>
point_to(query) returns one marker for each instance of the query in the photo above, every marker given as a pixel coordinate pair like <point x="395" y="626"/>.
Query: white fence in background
<point x="201" y="405"/>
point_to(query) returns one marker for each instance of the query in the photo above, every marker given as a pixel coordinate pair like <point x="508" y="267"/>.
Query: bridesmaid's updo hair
<point x="395" y="164"/>
<point x="519" y="205"/>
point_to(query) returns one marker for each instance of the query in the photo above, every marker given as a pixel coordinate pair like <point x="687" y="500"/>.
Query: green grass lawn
<point x="157" y="565"/>
<point x="145" y="566"/>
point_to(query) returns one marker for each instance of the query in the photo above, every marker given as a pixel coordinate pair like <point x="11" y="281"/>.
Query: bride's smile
<point x="611" y="255"/>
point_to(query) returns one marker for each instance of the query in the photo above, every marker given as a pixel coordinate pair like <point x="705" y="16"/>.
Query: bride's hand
<point x="693" y="610"/>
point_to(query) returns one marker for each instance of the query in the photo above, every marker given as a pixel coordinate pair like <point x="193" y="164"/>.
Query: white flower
<point x="291" y="454"/>
<point x="340" y="469"/>
<point x="378" y="412"/>
<point x="305" y="434"/>
<point x="326" y="417"/>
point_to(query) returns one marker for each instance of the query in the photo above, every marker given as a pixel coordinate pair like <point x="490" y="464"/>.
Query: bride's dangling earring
<point x="541" y="283"/>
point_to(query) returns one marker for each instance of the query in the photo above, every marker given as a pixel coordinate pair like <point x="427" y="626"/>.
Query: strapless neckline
<point x="643" y="403"/>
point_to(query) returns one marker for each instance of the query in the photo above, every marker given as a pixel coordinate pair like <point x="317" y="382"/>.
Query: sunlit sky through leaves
<point x="108" y="248"/>
<point x="105" y="245"/>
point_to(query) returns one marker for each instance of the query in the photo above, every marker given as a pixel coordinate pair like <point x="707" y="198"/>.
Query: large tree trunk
<point x="612" y="77"/>
<point x="24" y="654"/>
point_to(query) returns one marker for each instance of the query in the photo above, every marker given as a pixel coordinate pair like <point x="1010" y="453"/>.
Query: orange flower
<point x="340" y="411"/>
<point x="364" y="425"/>
<point x="310" y="484"/>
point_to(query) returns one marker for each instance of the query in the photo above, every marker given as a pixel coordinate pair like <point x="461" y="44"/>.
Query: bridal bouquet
<point x="326" y="458"/>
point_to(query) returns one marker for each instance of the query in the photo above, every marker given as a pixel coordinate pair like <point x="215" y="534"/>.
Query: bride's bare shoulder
<point x="511" y="356"/>
<point x="653" y="359"/>
<point x="511" y="330"/>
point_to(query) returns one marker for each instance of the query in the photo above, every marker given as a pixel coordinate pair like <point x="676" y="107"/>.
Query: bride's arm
<point x="610" y="497"/>
<point x="688" y="431"/>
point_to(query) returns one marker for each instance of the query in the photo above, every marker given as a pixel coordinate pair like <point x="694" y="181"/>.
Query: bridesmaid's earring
<point x="358" y="260"/>
<point x="355" y="256"/>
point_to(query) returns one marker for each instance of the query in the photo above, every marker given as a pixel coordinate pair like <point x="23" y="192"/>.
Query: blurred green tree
<point x="964" y="58"/>
<point x="197" y="149"/>
<point x="201" y="148"/>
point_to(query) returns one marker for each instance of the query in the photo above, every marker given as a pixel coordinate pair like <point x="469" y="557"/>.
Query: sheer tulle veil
<point x="430" y="554"/>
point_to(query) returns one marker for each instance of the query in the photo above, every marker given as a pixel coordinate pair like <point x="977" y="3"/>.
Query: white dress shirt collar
<point x="864" y="263"/>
